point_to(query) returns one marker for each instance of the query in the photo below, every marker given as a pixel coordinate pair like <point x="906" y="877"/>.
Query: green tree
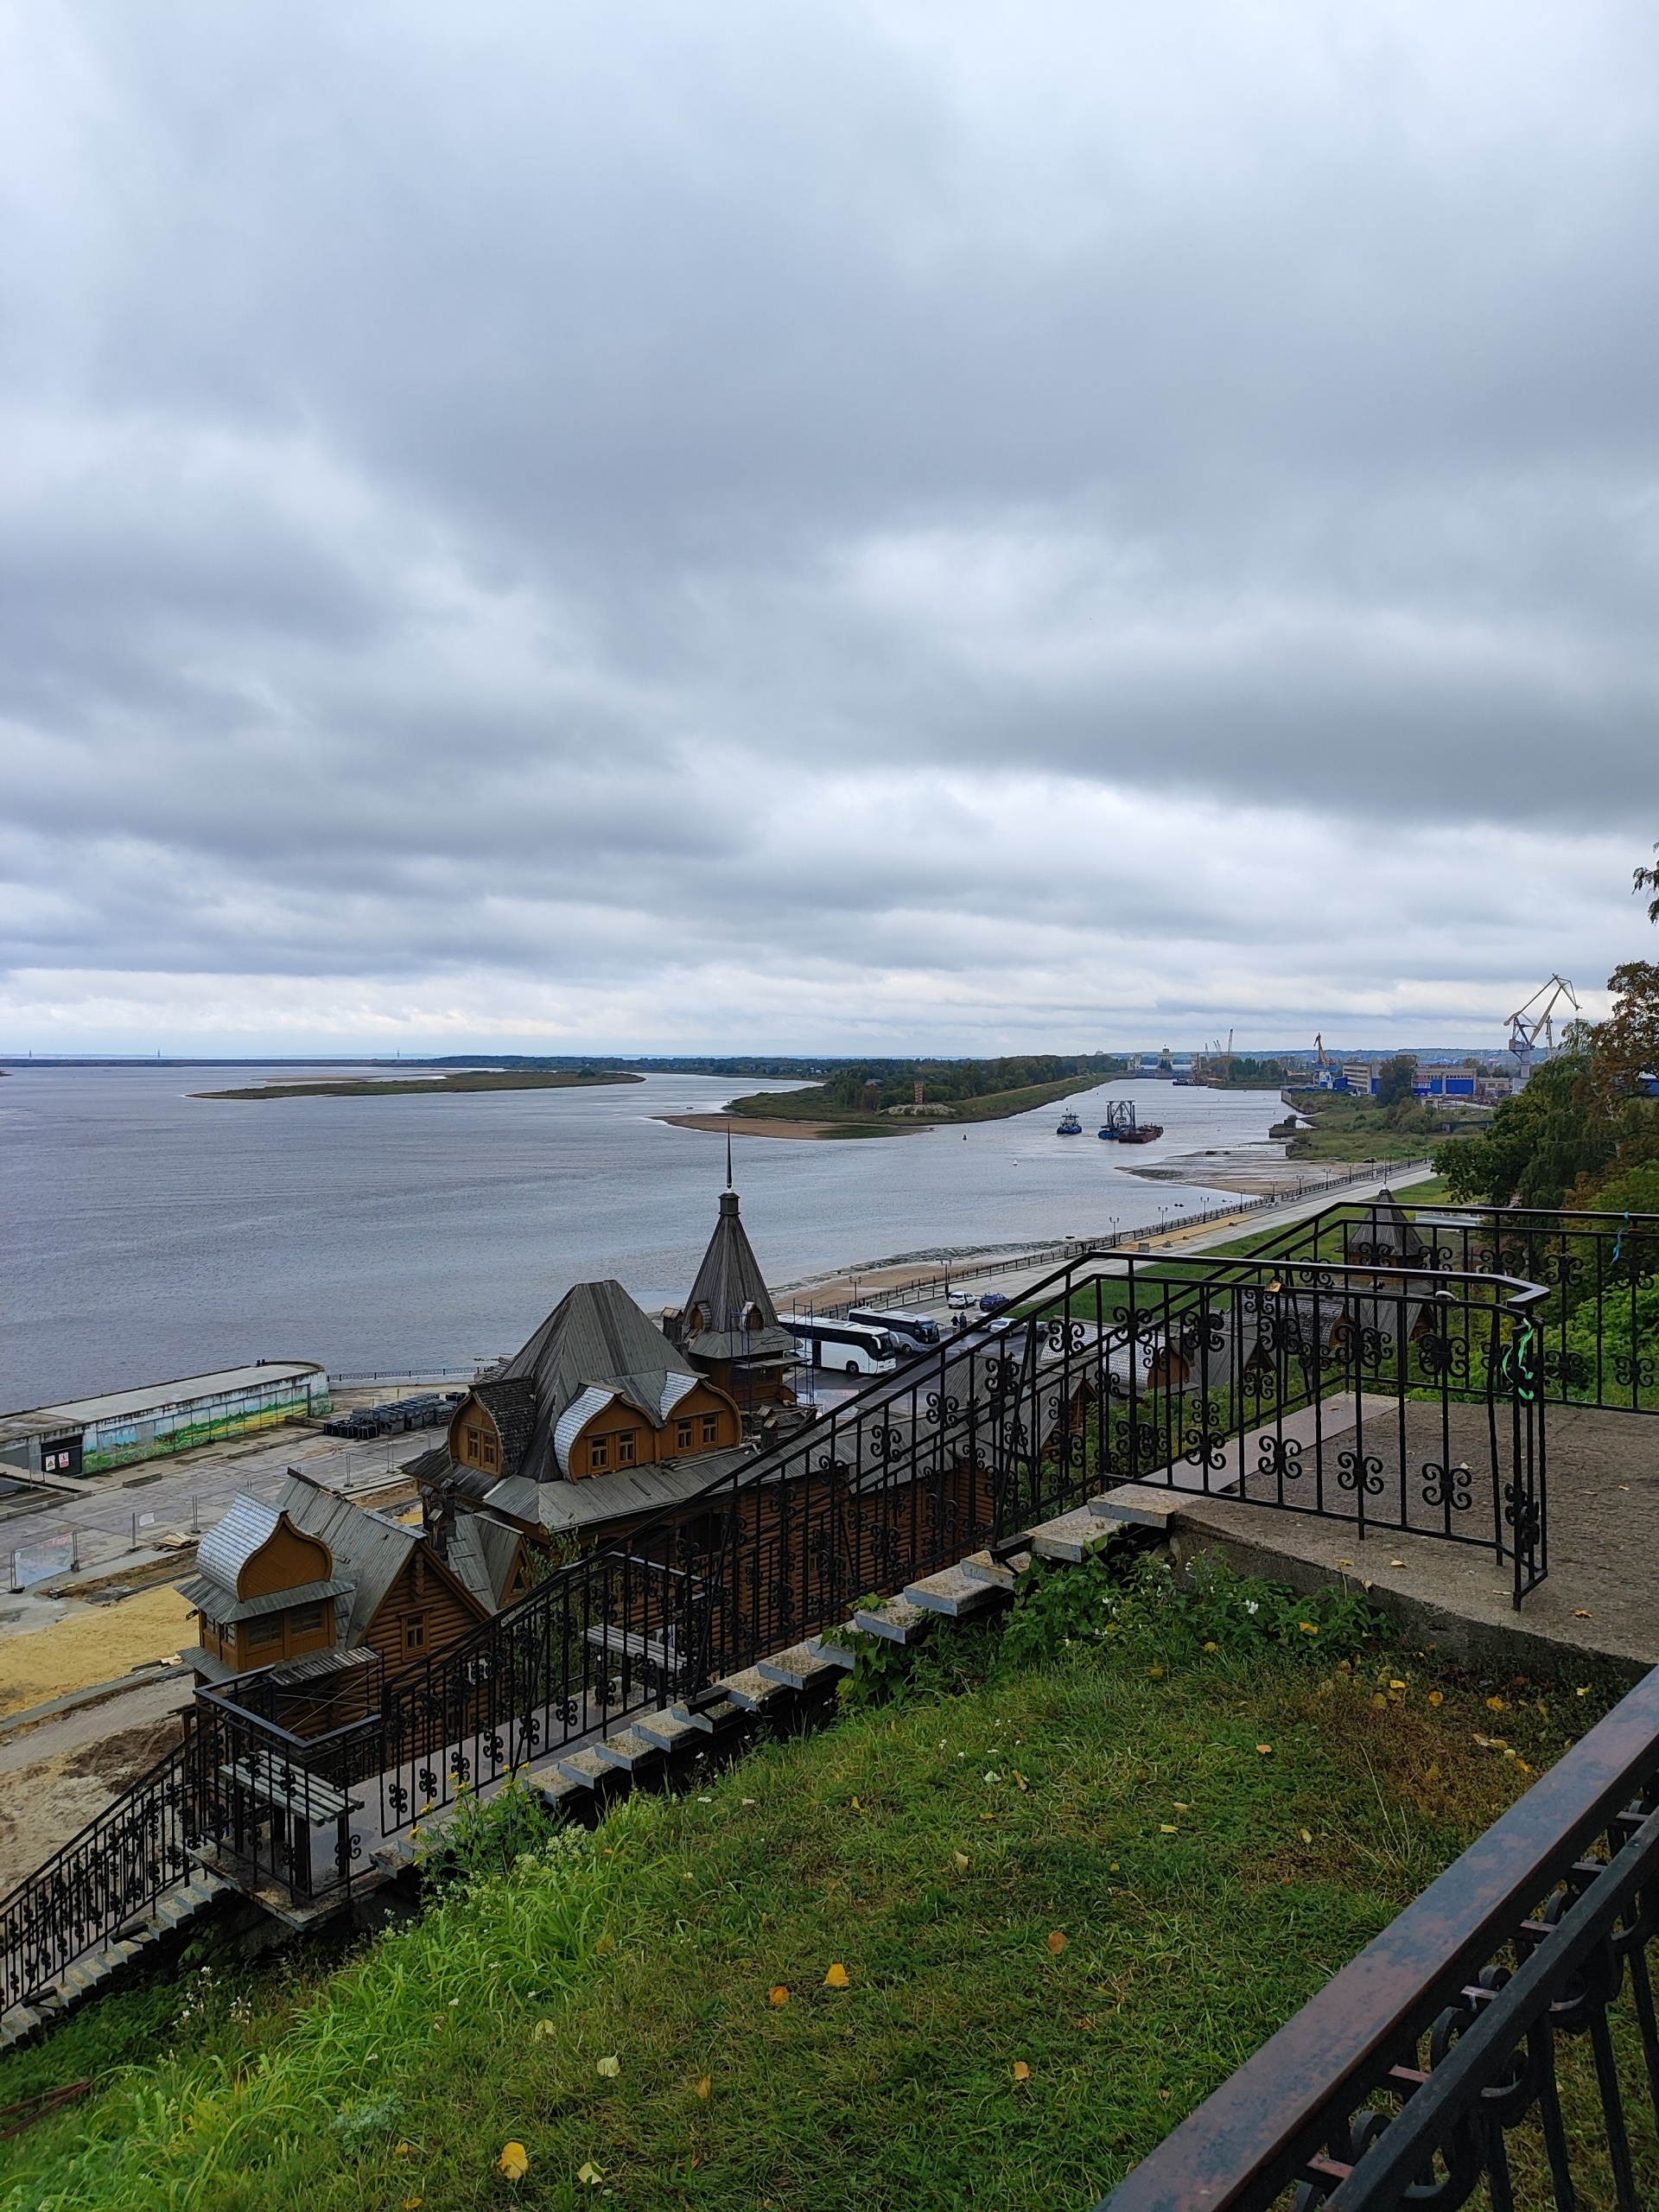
<point x="1395" y="1079"/>
<point x="1542" y="1141"/>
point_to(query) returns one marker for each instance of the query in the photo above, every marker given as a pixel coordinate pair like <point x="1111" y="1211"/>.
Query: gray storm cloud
<point x="804" y="526"/>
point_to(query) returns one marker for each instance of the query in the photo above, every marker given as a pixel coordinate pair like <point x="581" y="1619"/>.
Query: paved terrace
<point x="1602" y="1593"/>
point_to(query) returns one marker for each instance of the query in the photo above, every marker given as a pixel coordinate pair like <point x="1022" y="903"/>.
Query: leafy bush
<point x="1140" y="1603"/>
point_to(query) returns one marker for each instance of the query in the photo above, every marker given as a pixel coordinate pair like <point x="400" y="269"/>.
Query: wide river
<point x="151" y="1234"/>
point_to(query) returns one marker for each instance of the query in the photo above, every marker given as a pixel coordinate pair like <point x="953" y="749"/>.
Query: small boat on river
<point x="1070" y="1125"/>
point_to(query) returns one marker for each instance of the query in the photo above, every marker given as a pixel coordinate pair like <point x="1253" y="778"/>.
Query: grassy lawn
<point x="1069" y="1886"/>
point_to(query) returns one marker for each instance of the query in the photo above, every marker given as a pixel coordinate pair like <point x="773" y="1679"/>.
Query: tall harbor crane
<point x="1531" y="1021"/>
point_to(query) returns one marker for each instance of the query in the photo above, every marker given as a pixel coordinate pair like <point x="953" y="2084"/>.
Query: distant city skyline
<point x="826" y="529"/>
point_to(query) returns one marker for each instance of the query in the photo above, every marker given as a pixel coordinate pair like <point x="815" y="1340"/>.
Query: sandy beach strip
<point x="740" y="1125"/>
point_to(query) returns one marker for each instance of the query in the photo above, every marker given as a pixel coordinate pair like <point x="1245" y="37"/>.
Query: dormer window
<point x="599" y="1455"/>
<point x="697" y="1321"/>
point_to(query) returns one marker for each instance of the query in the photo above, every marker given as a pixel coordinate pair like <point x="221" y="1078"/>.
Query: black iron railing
<point x="101" y="1881"/>
<point x="1442" y="2059"/>
<point x="1373" y="1396"/>
<point x="1348" y="1393"/>
<point x="1599" y="1328"/>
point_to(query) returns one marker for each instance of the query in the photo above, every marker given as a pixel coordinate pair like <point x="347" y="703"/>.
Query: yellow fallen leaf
<point x="779" y="1996"/>
<point x="1021" y="2071"/>
<point x="610" y="2068"/>
<point x="1156" y="1673"/>
<point x="706" y="2087"/>
<point x="1112" y="1869"/>
<point x="590" y="2174"/>
<point x="1020" y="1779"/>
<point x="1433" y="1774"/>
<point x="1580" y="1615"/>
<point x="1056" y="1942"/>
<point x="961" y="1862"/>
<point x="412" y="2204"/>
<point x="1308" y="1628"/>
<point x="514" y="2161"/>
<point x="606" y="1944"/>
<point x="543" y="2029"/>
<point x="1436" y="1697"/>
<point x="1264" y="1749"/>
<point x="1212" y="1647"/>
<point x="857" y="1807"/>
<point x="1494" y="1704"/>
<point x="402" y="2150"/>
<point x="837" y="1977"/>
<point x="1306" y="1837"/>
<point x="1164" y="1828"/>
<point x="991" y="1816"/>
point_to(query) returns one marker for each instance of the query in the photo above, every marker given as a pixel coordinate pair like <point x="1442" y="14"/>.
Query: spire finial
<point x="728" y="1152"/>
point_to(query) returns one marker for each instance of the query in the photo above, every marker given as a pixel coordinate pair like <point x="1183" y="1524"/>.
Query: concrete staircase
<point x="117" y="1960"/>
<point x="786" y="1690"/>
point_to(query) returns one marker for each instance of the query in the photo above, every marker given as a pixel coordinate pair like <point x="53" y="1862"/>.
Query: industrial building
<point x="88" y="1435"/>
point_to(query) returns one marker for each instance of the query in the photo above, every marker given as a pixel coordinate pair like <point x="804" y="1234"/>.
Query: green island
<point x="985" y="1938"/>
<point x="433" y="1087"/>
<point x="884" y="1098"/>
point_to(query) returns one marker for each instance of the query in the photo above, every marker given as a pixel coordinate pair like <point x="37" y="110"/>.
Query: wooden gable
<point x="286" y="1558"/>
<point x="426" y="1609"/>
<point x="618" y="1436"/>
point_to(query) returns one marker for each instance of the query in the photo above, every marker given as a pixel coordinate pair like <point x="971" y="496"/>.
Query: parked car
<point x="959" y="1298"/>
<point x="992" y="1301"/>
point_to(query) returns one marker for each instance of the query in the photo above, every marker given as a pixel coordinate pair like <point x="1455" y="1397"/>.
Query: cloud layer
<point x="829" y="526"/>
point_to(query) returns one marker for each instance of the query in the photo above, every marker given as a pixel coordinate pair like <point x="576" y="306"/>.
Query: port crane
<point x="1532" y="1021"/>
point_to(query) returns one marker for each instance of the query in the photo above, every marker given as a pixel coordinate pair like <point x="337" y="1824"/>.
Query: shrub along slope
<point x="983" y="1941"/>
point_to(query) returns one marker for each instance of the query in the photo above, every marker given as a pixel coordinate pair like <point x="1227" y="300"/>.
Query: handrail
<point x="1264" y="2128"/>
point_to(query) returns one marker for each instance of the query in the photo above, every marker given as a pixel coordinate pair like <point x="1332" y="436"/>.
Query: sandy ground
<point x="717" y="1124"/>
<point x="89" y="1644"/>
<point x="55" y="1778"/>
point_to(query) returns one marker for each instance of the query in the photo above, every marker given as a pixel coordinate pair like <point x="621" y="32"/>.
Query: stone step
<point x="586" y="1768"/>
<point x="712" y="1718"/>
<point x="955" y="1593"/>
<point x="670" y="1731"/>
<point x="1135" y="1505"/>
<point x="397" y="1857"/>
<point x="898" y="1619"/>
<point x="751" y="1690"/>
<point x="1072" y="1536"/>
<point x="980" y="1566"/>
<point x="801" y="1664"/>
<point x="835" y="1654"/>
<point x="629" y="1751"/>
<point x="556" y="1790"/>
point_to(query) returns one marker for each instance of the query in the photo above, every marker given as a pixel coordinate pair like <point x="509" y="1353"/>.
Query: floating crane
<point x="1531" y="1021"/>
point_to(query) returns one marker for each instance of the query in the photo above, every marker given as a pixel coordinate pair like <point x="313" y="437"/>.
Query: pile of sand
<point x="93" y="1644"/>
<point x="42" y="1805"/>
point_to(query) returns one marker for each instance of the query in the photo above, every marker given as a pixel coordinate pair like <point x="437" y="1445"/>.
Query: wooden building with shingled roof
<point x="728" y="1327"/>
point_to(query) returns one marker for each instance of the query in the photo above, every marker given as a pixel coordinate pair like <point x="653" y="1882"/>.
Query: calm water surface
<point x="151" y="1234"/>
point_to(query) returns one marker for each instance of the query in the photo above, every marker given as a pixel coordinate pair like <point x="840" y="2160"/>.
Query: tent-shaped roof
<point x="595" y="1338"/>
<point x="730" y="1287"/>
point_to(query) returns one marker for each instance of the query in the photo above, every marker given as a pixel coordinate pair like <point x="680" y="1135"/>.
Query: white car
<point x="958" y="1299"/>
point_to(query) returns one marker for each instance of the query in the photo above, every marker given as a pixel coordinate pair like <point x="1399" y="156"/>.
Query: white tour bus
<point x="853" y="1346"/>
<point x="915" y="1332"/>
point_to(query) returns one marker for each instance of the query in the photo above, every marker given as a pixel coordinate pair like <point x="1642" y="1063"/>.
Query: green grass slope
<point x="1072" y="1877"/>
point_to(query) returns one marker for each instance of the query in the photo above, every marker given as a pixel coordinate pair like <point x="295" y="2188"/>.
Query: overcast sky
<point x="823" y="526"/>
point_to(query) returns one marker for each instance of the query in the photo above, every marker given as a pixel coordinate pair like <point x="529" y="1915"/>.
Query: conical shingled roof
<point x="729" y="1284"/>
